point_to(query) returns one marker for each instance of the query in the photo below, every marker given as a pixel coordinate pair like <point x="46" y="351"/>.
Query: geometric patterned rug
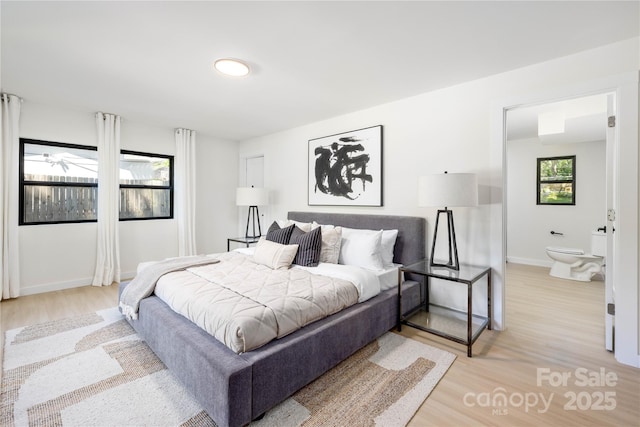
<point x="94" y="370"/>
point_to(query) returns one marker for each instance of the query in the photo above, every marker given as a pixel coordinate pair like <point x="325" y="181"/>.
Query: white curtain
<point x="108" y="250"/>
<point x="185" y="191"/>
<point x="9" y="160"/>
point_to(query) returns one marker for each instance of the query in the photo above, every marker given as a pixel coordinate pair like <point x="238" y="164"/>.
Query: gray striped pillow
<point x="309" y="246"/>
<point x="279" y="235"/>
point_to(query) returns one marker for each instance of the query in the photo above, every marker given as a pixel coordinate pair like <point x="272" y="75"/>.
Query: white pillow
<point x="388" y="242"/>
<point x="361" y="248"/>
<point x="331" y="240"/>
<point x="274" y="255"/>
<point x="304" y="226"/>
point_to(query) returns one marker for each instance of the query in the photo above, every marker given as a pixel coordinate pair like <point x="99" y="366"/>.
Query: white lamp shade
<point x="448" y="190"/>
<point x="251" y="196"/>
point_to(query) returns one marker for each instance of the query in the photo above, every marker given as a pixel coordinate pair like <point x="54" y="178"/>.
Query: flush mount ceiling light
<point x="231" y="67"/>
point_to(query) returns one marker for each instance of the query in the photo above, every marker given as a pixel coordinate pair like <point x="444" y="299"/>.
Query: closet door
<point x="255" y="172"/>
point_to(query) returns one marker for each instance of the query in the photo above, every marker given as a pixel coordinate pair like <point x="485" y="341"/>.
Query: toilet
<point x="574" y="264"/>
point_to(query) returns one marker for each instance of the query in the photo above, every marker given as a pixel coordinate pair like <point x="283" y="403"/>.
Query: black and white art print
<point x="346" y="169"/>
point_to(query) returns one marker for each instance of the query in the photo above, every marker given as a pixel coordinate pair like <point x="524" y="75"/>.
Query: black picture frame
<point x="345" y="169"/>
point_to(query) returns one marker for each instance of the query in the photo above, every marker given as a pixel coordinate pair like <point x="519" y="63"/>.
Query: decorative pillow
<point x="309" y="246"/>
<point x="388" y="242"/>
<point x="361" y="248"/>
<point x="279" y="235"/>
<point x="331" y="240"/>
<point x="274" y="255"/>
<point x="304" y="226"/>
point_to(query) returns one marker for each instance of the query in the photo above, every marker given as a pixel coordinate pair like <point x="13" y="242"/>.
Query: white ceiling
<point x="152" y="61"/>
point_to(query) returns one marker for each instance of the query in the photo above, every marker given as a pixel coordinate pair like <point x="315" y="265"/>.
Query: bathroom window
<point x="556" y="183"/>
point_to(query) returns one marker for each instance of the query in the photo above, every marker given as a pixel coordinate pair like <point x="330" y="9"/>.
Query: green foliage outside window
<point x="556" y="180"/>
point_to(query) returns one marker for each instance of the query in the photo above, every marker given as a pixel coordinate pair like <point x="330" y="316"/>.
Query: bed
<point x="235" y="389"/>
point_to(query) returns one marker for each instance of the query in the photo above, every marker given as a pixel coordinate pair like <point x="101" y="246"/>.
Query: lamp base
<point x="453" y="248"/>
<point x="253" y="216"/>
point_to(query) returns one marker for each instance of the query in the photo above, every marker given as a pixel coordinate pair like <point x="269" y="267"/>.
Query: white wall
<point x="452" y="129"/>
<point x="529" y="225"/>
<point x="55" y="256"/>
<point x="60" y="256"/>
<point x="216" y="180"/>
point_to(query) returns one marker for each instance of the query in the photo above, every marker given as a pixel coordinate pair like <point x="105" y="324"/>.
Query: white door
<point x="255" y="172"/>
<point x="609" y="293"/>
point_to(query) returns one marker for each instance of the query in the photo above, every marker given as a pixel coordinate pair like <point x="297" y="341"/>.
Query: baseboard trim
<point x="529" y="261"/>
<point x="70" y="284"/>
<point x="51" y="287"/>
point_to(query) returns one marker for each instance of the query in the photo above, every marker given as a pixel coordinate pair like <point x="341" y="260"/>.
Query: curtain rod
<point x="104" y="114"/>
<point x="9" y="95"/>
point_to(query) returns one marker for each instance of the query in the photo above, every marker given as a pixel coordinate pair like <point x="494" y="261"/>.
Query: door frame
<point x="625" y="87"/>
<point x="612" y="203"/>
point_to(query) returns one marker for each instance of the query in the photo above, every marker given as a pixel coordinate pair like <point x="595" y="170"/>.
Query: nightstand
<point x="245" y="240"/>
<point x="461" y="327"/>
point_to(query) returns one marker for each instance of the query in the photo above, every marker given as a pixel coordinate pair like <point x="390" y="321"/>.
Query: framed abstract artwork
<point x="346" y="169"/>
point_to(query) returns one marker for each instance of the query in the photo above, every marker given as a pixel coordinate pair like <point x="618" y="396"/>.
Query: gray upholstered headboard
<point x="410" y="244"/>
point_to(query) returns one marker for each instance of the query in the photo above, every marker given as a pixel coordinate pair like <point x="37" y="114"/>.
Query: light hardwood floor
<point x="553" y="324"/>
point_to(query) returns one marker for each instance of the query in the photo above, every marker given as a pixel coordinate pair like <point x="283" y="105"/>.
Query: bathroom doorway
<point x="558" y="130"/>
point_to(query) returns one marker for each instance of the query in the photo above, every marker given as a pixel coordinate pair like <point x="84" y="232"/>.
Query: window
<point x="58" y="182"/>
<point x="146" y="186"/>
<point x="556" y="183"/>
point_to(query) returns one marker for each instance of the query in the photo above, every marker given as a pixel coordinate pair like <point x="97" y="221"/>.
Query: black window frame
<point x="572" y="181"/>
<point x="169" y="187"/>
<point x="22" y="182"/>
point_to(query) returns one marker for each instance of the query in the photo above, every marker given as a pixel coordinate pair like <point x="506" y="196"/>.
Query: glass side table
<point x="461" y="327"/>
<point x="245" y="240"/>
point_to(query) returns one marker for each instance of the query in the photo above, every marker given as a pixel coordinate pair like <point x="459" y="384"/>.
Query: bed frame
<point x="237" y="388"/>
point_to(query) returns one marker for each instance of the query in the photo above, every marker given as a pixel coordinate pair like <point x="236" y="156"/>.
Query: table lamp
<point x="448" y="190"/>
<point x="252" y="197"/>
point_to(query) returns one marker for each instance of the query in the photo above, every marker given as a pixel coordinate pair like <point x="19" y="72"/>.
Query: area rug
<point x="94" y="370"/>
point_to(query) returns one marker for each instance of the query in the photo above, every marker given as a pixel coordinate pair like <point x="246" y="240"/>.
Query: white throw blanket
<point x="145" y="281"/>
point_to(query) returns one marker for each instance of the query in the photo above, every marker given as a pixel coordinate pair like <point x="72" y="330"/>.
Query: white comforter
<point x="245" y="305"/>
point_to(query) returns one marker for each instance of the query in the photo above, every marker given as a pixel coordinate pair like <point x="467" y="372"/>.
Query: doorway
<point x="575" y="129"/>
